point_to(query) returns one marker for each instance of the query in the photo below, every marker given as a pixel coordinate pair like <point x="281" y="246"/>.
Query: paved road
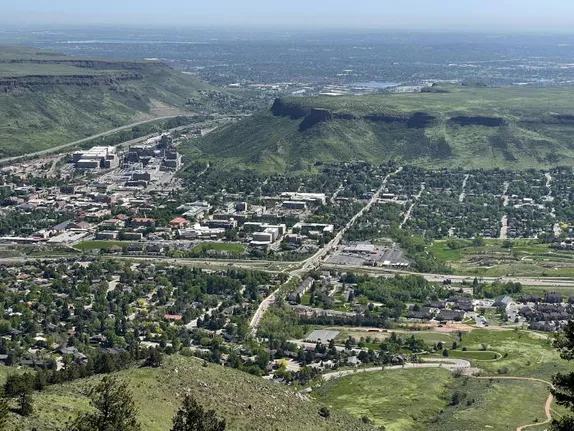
<point x="410" y="210"/>
<point x="262" y="265"/>
<point x="193" y="324"/>
<point x="71" y="144"/>
<point x="446" y="363"/>
<point x="315" y="260"/>
<point x="527" y="281"/>
<point x="265" y="304"/>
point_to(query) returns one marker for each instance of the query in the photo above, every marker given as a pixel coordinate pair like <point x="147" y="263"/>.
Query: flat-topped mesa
<point x="479" y="121"/>
<point x="281" y="108"/>
<point x="316" y="116"/>
<point x="9" y="83"/>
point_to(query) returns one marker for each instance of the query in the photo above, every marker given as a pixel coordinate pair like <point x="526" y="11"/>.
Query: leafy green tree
<point x="115" y="408"/>
<point x="191" y="416"/>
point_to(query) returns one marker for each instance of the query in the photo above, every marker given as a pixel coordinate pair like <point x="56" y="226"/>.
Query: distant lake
<point x="374" y="84"/>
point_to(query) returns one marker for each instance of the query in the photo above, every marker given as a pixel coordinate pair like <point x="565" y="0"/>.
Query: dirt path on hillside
<point x="547" y="405"/>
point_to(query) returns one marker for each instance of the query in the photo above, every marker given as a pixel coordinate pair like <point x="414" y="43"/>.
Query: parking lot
<point x="368" y="254"/>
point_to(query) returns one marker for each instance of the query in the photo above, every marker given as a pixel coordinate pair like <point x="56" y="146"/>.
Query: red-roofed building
<point x="172" y="316"/>
<point x="179" y="223"/>
<point x="142" y="222"/>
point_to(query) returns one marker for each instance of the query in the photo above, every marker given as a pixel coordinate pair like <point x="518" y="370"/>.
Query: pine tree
<point x="193" y="417"/>
<point x="26" y="406"/>
<point x="564" y="383"/>
<point x="115" y="408"/>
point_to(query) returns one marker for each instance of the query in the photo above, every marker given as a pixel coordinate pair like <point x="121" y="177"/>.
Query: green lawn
<point x="539" y="290"/>
<point x="400" y="400"/>
<point x="232" y="248"/>
<point x="526" y="257"/>
<point x="524" y="353"/>
<point x="100" y="245"/>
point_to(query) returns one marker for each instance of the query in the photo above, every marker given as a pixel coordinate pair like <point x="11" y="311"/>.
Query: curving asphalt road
<point x="446" y="363"/>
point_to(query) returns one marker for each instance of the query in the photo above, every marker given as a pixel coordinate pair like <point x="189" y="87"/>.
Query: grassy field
<point x="56" y="99"/>
<point x="524" y="353"/>
<point x="526" y="258"/>
<point x="246" y="402"/>
<point x="498" y="405"/>
<point x="100" y="245"/>
<point x="399" y="400"/>
<point x="232" y="248"/>
<point x="376" y="128"/>
<point x="409" y="400"/>
<point x="477" y="355"/>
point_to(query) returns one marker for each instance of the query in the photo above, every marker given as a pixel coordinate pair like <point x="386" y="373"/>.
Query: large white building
<point x="317" y="198"/>
<point x="96" y="158"/>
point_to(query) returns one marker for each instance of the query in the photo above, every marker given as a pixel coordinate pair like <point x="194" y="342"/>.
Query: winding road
<point x="446" y="363"/>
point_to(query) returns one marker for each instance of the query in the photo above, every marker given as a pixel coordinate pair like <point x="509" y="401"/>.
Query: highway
<point x="263" y="265"/>
<point x="71" y="144"/>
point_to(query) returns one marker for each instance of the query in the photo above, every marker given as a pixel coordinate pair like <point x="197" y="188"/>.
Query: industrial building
<point x="294" y="205"/>
<point x="201" y="232"/>
<point x="96" y="158"/>
<point x="265" y="234"/>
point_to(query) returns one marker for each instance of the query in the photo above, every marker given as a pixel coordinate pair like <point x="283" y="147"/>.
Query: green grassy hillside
<point x="246" y="402"/>
<point x="47" y="99"/>
<point x="450" y="126"/>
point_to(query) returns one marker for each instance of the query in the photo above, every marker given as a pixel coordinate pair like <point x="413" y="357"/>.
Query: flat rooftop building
<point x="318" y="198"/>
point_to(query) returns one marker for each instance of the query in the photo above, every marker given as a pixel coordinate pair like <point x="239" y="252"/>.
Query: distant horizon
<point x="474" y="16"/>
<point x="10" y="27"/>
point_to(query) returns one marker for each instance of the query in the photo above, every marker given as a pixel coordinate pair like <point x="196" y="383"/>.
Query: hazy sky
<point x="501" y="15"/>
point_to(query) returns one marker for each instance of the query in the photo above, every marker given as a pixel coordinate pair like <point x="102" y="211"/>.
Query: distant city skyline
<point x="447" y="15"/>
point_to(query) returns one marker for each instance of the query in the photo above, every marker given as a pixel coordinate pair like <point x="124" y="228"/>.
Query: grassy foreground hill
<point x="47" y="99"/>
<point x="245" y="401"/>
<point x="446" y="126"/>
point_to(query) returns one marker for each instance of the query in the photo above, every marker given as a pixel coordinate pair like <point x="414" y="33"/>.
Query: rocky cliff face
<point x="11" y="84"/>
<point x="294" y="111"/>
<point x="90" y="64"/>
<point x="117" y="72"/>
<point x="478" y="121"/>
<point x="316" y="116"/>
